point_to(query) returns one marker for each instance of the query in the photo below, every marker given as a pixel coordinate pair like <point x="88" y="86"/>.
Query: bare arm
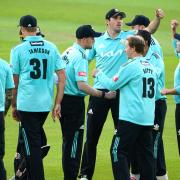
<point x="88" y="89"/>
<point x="94" y="92"/>
<point x="14" y="106"/>
<point x="8" y="100"/>
<point x="154" y="24"/>
<point x="59" y="94"/>
<point x="169" y="92"/>
<point x="174" y="25"/>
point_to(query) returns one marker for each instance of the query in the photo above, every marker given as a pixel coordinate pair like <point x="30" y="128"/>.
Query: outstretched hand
<point x="164" y="91"/>
<point x="110" y="95"/>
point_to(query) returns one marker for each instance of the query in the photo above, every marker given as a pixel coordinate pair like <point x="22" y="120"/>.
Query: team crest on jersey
<point x="82" y="73"/>
<point x="115" y="78"/>
<point x="145" y="63"/>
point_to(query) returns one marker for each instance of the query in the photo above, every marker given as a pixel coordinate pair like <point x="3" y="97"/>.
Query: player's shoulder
<point x="154" y="41"/>
<point x="70" y="52"/>
<point x="129" y="33"/>
<point x="128" y="63"/>
<point x="156" y="55"/>
<point x="49" y="43"/>
<point x="20" y="45"/>
<point x="100" y="38"/>
<point x="4" y="63"/>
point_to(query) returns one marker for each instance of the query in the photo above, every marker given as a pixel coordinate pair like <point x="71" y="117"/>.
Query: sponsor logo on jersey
<point x="37" y="43"/>
<point x="145" y="63"/>
<point x="112" y="53"/>
<point x="82" y="73"/>
<point x="115" y="78"/>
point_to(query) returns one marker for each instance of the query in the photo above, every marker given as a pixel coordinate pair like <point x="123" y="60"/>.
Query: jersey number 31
<point x="36" y="73"/>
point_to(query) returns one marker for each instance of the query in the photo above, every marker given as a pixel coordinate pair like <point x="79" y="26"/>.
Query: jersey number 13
<point x="148" y="88"/>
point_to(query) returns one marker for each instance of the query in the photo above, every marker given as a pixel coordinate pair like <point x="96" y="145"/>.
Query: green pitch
<point x="58" y="20"/>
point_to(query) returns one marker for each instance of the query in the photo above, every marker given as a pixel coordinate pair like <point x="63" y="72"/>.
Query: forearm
<point x="60" y="92"/>
<point x="106" y="82"/>
<point x="153" y="26"/>
<point x="13" y="103"/>
<point x="89" y="90"/>
<point x="8" y="100"/>
<point x="171" y="92"/>
<point x="60" y="86"/>
<point x="14" y="92"/>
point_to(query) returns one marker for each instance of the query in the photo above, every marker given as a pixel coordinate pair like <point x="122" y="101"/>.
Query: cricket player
<point x="176" y="90"/>
<point x="136" y="80"/>
<point x="33" y="63"/>
<point x="141" y="22"/>
<point x="109" y="52"/>
<point x="160" y="111"/>
<point x="6" y="86"/>
<point x="73" y="105"/>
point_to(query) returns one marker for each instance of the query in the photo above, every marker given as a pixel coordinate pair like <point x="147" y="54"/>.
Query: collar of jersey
<point x="33" y="38"/>
<point x="137" y="58"/>
<point x="77" y="46"/>
<point x="119" y="36"/>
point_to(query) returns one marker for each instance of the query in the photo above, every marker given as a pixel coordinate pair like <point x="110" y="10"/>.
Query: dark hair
<point x="136" y="42"/>
<point x="145" y="35"/>
<point x="30" y="29"/>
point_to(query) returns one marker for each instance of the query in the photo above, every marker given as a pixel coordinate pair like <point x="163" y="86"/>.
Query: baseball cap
<point x="177" y="36"/>
<point x="86" y="31"/>
<point x="28" y="21"/>
<point x="139" y="20"/>
<point x="113" y="13"/>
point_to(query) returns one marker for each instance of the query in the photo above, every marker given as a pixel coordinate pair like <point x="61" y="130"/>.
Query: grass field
<point x="58" y="20"/>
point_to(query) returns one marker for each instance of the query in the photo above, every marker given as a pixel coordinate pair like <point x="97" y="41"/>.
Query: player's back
<point x="138" y="95"/>
<point x="35" y="61"/>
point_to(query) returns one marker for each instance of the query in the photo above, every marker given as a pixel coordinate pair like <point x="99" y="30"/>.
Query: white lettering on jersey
<point x="111" y="53"/>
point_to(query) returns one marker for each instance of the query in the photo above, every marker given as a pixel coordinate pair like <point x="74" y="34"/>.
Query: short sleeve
<point x="9" y="79"/>
<point x="59" y="63"/>
<point x="14" y="61"/>
<point x="81" y="70"/>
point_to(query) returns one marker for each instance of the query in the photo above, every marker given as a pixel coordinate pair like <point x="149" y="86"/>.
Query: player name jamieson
<point x="39" y="50"/>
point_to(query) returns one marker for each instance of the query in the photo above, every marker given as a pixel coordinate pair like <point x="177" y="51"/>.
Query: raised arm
<point x="154" y="24"/>
<point x="174" y="25"/>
